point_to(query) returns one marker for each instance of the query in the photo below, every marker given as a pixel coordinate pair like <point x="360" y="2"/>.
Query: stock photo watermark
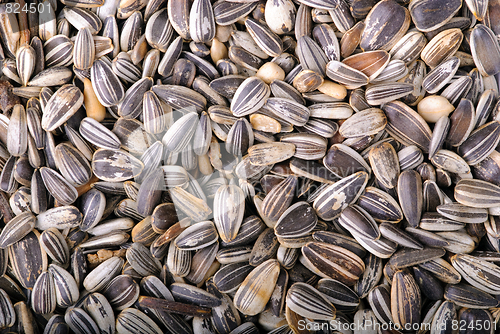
<point x="369" y="325"/>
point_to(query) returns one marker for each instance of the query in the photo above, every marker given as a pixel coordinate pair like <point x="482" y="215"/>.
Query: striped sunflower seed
<point x="62" y="105"/>
<point x="481" y="143"/>
<point x="364" y="123"/>
<point x="194" y="207"/>
<point x="103" y="274"/>
<point x="371" y="63"/>
<point x="230" y="277"/>
<point x="115" y="165"/>
<point x="58" y="186"/>
<point x="409" y="47"/>
<point x="405" y="310"/>
<point x="131" y="105"/>
<point x="344" y="161"/>
<point x="307" y="146"/>
<point x="197" y="236"/>
<point x="265" y="154"/>
<point x="159" y="30"/>
<point x="98" y="307"/>
<point x="80" y="321"/>
<point x="227" y="13"/>
<point x="264" y="248"/>
<point x="178" y="260"/>
<point x="121" y="292"/>
<point x="299" y="213"/>
<point x="340" y="295"/>
<point x="25" y="63"/>
<point x="461" y="213"/>
<point x="334" y="262"/>
<point x="309" y="302"/>
<point x="250" y="96"/>
<point x="61" y="217"/>
<point x="411" y="201"/>
<point x="387" y="92"/>
<point x="346" y="75"/>
<point x="17" y="131"/>
<point x="267" y="40"/>
<point x="66" y="288"/>
<point x="477" y="272"/>
<point x="130" y="319"/>
<point x="441" y="13"/>
<point x="72" y="164"/>
<point x="54" y="244"/>
<point x="357" y="221"/>
<point x="407" y="126"/>
<point x="450" y="161"/>
<point x="142" y="261"/>
<point x="333" y="199"/>
<point x="440" y="75"/>
<point x="107" y="87"/>
<point x="228" y="211"/>
<point x="255" y="291"/>
<point x="482" y="39"/>
<point x="380" y="205"/>
<point x="44" y="295"/>
<point x="84" y="49"/>
<point x="477" y="193"/>
<point x="442" y="46"/>
<point x="384" y="37"/>
<point x="465" y="295"/>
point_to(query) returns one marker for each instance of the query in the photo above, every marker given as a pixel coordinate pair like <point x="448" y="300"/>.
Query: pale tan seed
<point x="433" y="107"/>
<point x="93" y="107"/>
<point x="270" y="72"/>
<point x="333" y="89"/>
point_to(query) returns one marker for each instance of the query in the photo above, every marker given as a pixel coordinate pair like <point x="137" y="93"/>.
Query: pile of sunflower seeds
<point x="249" y="166"/>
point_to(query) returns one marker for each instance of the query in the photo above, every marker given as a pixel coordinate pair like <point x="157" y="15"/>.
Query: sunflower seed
<point x="249" y="97"/>
<point x="469" y="267"/>
<point x="103" y="79"/>
<point x="405" y="310"/>
<point x="267" y="40"/>
<point x="333" y="199"/>
<point x="476" y="193"/>
<point x="346" y="75"/>
<point x="368" y="122"/>
<point x="66" y="289"/>
<point x="384" y="37"/>
<point x="73" y="165"/>
<point x="130" y="319"/>
<point x="309" y="302"/>
<point x="54" y="244"/>
<point x="411" y="202"/>
<point x="440" y="75"/>
<point x="255" y="291"/>
<point x="406" y="125"/>
<point x="481" y="39"/>
<point x="441" y="47"/>
<point x="387" y="92"/>
<point x="44" y="295"/>
<point x="61" y="106"/>
<point x="121" y="292"/>
<point x="103" y="274"/>
<point x="480" y="144"/>
<point x="467" y="296"/>
<point x="115" y="165"/>
<point x="98" y="307"/>
<point x="58" y="187"/>
<point x="334" y="262"/>
<point x="227" y="13"/>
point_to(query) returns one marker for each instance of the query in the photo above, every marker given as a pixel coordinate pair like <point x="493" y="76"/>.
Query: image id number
<point x="478" y="325"/>
<point x="32" y="8"/>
